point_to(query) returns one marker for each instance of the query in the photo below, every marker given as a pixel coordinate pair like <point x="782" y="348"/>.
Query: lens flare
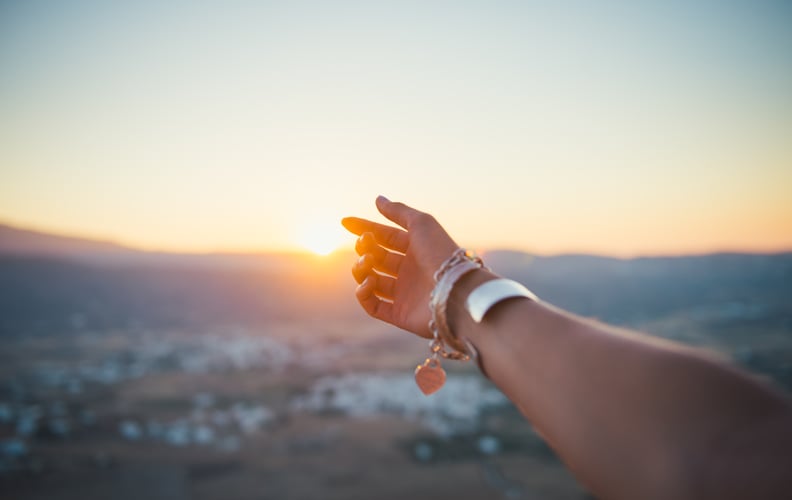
<point x="322" y="238"/>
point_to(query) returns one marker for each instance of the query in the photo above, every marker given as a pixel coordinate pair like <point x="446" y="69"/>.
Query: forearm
<point x="629" y="414"/>
<point x="632" y="416"/>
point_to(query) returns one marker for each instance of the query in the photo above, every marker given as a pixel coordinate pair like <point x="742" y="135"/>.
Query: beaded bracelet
<point x="430" y="375"/>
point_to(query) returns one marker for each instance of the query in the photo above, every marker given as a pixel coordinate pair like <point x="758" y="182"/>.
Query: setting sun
<point x="322" y="238"/>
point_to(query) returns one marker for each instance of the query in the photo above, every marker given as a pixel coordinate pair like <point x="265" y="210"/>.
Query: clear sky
<point x="615" y="128"/>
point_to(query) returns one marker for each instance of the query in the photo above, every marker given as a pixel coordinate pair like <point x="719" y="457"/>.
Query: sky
<point x="616" y="128"/>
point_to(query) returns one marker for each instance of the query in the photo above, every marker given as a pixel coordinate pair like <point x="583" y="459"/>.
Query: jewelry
<point x="459" y="255"/>
<point x="439" y="301"/>
<point x="489" y="293"/>
<point x="430" y="375"/>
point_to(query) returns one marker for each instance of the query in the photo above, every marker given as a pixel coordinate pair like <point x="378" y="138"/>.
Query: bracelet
<point x="430" y="375"/>
<point x="438" y="304"/>
<point x="460" y="255"/>
<point x="489" y="293"/>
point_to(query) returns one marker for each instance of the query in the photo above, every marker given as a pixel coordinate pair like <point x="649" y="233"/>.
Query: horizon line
<point x="123" y="245"/>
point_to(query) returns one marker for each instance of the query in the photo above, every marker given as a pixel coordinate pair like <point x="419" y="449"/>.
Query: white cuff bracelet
<point x="490" y="293"/>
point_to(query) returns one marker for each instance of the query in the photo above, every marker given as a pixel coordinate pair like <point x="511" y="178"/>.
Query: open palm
<point x="396" y="266"/>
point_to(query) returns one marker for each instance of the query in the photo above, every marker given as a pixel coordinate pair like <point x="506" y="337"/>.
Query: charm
<point x="430" y="376"/>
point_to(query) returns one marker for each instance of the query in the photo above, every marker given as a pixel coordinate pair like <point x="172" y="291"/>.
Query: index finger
<point x="387" y="236"/>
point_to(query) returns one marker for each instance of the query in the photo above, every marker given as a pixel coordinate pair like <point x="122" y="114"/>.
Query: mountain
<point x="52" y="283"/>
<point x="17" y="241"/>
<point x="628" y="291"/>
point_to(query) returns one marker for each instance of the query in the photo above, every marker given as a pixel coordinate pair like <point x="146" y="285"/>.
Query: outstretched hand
<point x="396" y="268"/>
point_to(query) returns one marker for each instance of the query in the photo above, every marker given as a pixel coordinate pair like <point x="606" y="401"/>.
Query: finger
<point x="362" y="268"/>
<point x="372" y="304"/>
<point x="368" y="244"/>
<point x="399" y="213"/>
<point x="387" y="236"/>
<point x="383" y="260"/>
<point x="384" y="286"/>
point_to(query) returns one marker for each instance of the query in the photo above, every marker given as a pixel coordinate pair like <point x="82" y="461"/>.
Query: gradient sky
<point x="616" y="128"/>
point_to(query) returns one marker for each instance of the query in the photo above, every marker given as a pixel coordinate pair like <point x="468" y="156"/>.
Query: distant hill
<point x="728" y="286"/>
<point x="17" y="241"/>
<point x="54" y="283"/>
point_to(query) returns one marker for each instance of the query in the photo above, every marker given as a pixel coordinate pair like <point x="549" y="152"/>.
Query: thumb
<point x="399" y="213"/>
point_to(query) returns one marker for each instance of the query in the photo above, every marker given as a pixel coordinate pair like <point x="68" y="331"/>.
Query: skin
<point x="632" y="416"/>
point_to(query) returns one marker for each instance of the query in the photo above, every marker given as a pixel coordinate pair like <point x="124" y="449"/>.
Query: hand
<point x="396" y="268"/>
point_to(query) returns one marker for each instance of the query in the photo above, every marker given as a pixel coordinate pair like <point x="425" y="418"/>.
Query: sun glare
<point x="322" y="238"/>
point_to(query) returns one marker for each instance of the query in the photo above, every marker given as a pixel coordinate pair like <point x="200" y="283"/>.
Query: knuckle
<point x="360" y="270"/>
<point x="363" y="242"/>
<point x="423" y="219"/>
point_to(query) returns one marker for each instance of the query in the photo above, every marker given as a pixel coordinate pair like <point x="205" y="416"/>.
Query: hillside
<point x="50" y="282"/>
<point x="18" y="241"/>
<point x="210" y="369"/>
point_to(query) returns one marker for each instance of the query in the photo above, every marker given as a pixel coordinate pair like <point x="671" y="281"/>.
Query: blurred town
<point x="127" y="374"/>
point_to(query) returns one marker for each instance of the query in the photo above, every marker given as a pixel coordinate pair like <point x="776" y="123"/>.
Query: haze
<point x="619" y="129"/>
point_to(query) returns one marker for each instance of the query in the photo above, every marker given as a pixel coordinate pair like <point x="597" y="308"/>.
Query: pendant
<point x="430" y="376"/>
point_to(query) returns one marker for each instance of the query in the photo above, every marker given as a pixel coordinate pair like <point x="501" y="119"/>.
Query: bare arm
<point x="632" y="416"/>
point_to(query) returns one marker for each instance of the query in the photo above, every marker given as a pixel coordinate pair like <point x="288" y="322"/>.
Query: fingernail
<point x="382" y="198"/>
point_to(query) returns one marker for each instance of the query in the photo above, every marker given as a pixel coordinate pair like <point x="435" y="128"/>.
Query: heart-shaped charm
<point x="430" y="376"/>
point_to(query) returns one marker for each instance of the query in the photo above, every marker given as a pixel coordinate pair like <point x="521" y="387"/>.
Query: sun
<point x="322" y="238"/>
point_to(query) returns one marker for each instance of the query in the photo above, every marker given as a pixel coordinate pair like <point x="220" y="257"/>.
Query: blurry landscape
<point x="128" y="374"/>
